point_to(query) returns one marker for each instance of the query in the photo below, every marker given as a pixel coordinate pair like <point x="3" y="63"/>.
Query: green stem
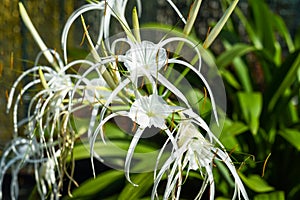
<point x="217" y="29"/>
<point x="136" y="26"/>
<point x="194" y="10"/>
<point x="28" y="23"/>
<point x="106" y="75"/>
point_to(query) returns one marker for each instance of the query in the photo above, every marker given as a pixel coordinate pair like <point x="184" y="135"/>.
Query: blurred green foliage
<point x="262" y="72"/>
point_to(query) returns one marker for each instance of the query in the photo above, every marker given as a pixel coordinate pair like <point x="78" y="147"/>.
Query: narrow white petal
<point x="226" y="159"/>
<point x="130" y="152"/>
<point x="21" y="77"/>
<point x="205" y="83"/>
<point x="18" y="99"/>
<point x="211" y="182"/>
<point x="72" y="18"/>
<point x="173" y="89"/>
<point x="177" y="11"/>
<point x="159" y="176"/>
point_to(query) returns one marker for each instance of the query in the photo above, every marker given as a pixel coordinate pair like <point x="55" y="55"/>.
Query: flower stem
<point x="106" y="75"/>
<point x="136" y="26"/>
<point x="217" y="29"/>
<point x="36" y="36"/>
<point x="194" y="10"/>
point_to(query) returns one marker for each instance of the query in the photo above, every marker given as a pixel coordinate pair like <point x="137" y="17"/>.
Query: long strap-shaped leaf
<point x="37" y="37"/>
<point x="286" y="82"/>
<point x="217" y="29"/>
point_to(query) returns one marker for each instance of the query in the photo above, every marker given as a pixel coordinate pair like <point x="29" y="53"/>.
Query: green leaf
<point x="292" y="136"/>
<point x="193" y="13"/>
<point x="144" y="182"/>
<point x="93" y="186"/>
<point x="233" y="128"/>
<point x="115" y="151"/>
<point x="216" y="30"/>
<point x="263" y="24"/>
<point x="283" y="31"/>
<point x="240" y="68"/>
<point x="256" y="183"/>
<point x="222" y="198"/>
<point x="113" y="148"/>
<point x="251" y="105"/>
<point x="277" y="195"/>
<point x="278" y="54"/>
<point x="44" y="49"/>
<point x="294" y="191"/>
<point x="222" y="168"/>
<point x="243" y="74"/>
<point x="285" y="78"/>
<point x="136" y="25"/>
<point x="230" y="79"/>
<point x="297" y="39"/>
<point x="249" y="28"/>
<point x="233" y="52"/>
<point x="230" y="130"/>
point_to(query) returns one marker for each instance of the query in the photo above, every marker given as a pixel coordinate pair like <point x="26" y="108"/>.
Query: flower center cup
<point x="150" y="111"/>
<point x="145" y="56"/>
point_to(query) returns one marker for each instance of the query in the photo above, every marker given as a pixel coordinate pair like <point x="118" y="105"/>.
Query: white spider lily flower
<point x="124" y="85"/>
<point x="97" y="90"/>
<point x="195" y="153"/>
<point x="56" y="88"/>
<point x="143" y="58"/>
<point x="146" y="59"/>
<point x="48" y="178"/>
<point x="150" y="111"/>
<point x="57" y="81"/>
<point x="48" y="114"/>
<point x="17" y="155"/>
<point x="108" y="8"/>
<point x="48" y="172"/>
<point x="146" y="111"/>
<point x="93" y="90"/>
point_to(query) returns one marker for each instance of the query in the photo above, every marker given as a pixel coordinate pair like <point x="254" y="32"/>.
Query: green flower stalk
<point x="36" y="36"/>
